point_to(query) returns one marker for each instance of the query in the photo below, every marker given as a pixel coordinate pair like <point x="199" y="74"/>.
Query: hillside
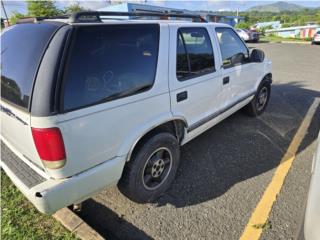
<point x="277" y="7"/>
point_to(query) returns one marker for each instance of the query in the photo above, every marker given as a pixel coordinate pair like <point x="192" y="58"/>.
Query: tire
<point x="258" y="105"/>
<point x="149" y="174"/>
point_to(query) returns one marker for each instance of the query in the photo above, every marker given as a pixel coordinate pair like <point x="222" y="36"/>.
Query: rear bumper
<point x="49" y="195"/>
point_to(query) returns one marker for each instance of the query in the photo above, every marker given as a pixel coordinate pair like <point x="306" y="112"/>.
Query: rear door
<point x="22" y="47"/>
<point x="194" y="82"/>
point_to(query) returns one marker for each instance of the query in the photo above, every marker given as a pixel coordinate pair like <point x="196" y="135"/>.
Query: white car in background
<point x="316" y="38"/>
<point x="243" y="34"/>
<point x="248" y="35"/>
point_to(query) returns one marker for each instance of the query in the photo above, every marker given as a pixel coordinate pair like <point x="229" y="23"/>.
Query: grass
<point x="20" y="220"/>
<point x="263" y="226"/>
<point x="280" y="39"/>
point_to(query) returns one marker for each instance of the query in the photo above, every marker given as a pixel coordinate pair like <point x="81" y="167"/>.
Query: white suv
<point x="87" y="103"/>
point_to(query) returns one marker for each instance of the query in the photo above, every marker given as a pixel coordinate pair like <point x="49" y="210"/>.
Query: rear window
<point x="22" y="47"/>
<point x="110" y="62"/>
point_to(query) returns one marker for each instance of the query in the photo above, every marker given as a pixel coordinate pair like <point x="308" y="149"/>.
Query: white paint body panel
<point x="16" y="130"/>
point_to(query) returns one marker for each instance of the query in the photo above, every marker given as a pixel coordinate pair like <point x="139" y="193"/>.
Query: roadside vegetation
<point x="287" y="18"/>
<point x="20" y="220"/>
<point x="44" y="9"/>
<point x="273" y="38"/>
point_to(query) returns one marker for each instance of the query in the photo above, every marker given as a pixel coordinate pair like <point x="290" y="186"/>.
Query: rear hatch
<point x="22" y="48"/>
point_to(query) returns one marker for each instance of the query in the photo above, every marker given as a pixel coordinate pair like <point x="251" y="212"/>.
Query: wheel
<point x="153" y="168"/>
<point x="260" y="101"/>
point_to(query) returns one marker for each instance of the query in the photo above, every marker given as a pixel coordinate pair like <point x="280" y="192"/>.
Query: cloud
<point x="93" y="5"/>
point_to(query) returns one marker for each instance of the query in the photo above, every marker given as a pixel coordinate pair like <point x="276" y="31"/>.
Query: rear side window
<point x="22" y="47"/>
<point x="110" y="62"/>
<point x="194" y="53"/>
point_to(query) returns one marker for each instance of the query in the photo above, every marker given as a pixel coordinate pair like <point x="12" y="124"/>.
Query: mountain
<point x="277" y="7"/>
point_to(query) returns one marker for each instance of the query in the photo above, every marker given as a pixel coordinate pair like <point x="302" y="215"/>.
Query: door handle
<point x="182" y="96"/>
<point x="226" y="80"/>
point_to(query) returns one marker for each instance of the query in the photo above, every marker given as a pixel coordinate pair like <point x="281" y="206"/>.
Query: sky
<point x="214" y="5"/>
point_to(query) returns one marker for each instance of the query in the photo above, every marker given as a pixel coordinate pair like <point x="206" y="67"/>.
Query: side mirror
<point x="257" y="55"/>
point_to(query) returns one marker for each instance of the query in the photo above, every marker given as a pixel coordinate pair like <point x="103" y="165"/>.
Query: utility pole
<point x="5" y="13"/>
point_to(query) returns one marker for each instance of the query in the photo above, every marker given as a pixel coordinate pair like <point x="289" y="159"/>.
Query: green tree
<point x="73" y="8"/>
<point x="42" y="9"/>
<point x="244" y="25"/>
<point x="15" y="17"/>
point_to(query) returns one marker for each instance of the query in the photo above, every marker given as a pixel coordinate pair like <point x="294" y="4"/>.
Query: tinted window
<point x="182" y="59"/>
<point x="22" y="47"/>
<point x="233" y="50"/>
<point x="109" y="62"/>
<point x="194" y="53"/>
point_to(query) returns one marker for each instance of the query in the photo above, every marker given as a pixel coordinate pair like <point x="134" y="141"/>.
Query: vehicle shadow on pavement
<point x="241" y="147"/>
<point x="109" y="224"/>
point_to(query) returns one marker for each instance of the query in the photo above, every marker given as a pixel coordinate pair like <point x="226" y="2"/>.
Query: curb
<point x="296" y="42"/>
<point x="288" y="42"/>
<point x="76" y="225"/>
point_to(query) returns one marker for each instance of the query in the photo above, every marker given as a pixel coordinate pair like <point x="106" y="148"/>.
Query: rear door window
<point x="110" y="62"/>
<point x="194" y="53"/>
<point x="22" y="47"/>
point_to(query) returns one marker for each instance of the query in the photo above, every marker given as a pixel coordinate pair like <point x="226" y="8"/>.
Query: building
<point x="135" y="7"/>
<point x="295" y="32"/>
<point x="273" y="24"/>
<point x="231" y="20"/>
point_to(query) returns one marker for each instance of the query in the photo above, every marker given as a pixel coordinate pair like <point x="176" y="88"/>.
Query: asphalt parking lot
<point x="225" y="171"/>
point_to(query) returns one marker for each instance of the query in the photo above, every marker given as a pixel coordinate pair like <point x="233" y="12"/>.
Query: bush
<point x="15" y="17"/>
<point x="244" y="25"/>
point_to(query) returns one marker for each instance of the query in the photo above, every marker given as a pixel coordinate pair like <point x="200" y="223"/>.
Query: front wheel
<point x="153" y="168"/>
<point x="260" y="101"/>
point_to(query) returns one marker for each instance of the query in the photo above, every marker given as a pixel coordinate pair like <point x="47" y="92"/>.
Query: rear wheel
<point x="153" y="168"/>
<point x="260" y="101"/>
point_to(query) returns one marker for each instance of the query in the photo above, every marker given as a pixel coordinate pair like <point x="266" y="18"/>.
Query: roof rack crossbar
<point x="95" y="16"/>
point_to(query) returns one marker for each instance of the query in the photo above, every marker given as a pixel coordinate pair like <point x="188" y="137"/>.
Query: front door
<point x="236" y="66"/>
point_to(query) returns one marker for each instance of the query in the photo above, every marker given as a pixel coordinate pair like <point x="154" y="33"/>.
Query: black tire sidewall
<point x="135" y="189"/>
<point x="262" y="85"/>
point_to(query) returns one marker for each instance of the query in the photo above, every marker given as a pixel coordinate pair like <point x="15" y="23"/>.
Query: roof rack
<point x="97" y="16"/>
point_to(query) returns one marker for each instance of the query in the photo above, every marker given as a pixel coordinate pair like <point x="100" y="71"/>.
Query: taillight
<point x="50" y="146"/>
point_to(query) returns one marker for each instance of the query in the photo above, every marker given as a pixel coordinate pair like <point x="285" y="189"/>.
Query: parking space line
<point x="261" y="213"/>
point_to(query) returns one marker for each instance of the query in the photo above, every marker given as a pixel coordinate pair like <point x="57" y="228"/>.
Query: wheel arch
<point x="266" y="78"/>
<point x="175" y="126"/>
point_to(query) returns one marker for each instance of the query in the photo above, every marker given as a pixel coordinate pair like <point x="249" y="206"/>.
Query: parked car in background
<point x="248" y="35"/>
<point x="316" y="38"/>
<point x="254" y="35"/>
<point x="312" y="216"/>
<point x="87" y="103"/>
<point x="243" y="34"/>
